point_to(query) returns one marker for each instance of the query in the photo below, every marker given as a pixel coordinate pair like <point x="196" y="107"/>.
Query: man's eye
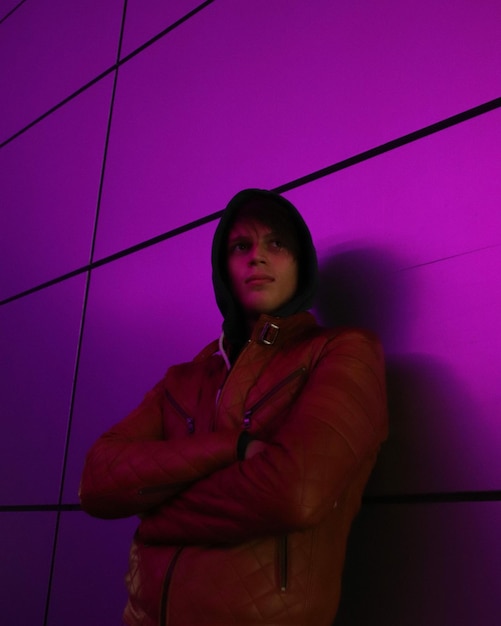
<point x="276" y="243"/>
<point x="239" y="246"/>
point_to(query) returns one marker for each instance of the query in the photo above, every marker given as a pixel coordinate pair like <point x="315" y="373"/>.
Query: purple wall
<point x="96" y="157"/>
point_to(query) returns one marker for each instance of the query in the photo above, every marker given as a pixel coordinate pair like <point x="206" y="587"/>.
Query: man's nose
<point x="258" y="254"/>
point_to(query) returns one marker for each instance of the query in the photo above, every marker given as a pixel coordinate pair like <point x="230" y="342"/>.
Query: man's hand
<point x="254" y="447"/>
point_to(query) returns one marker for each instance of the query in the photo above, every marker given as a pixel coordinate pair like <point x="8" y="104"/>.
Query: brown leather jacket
<point x="258" y="541"/>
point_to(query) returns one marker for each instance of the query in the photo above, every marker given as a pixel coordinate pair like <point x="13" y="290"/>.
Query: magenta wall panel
<point x="27" y="543"/>
<point x="50" y="188"/>
<point x="51" y="48"/>
<point x="251" y="94"/>
<point x="221" y="94"/>
<point x="88" y="584"/>
<point x="39" y="339"/>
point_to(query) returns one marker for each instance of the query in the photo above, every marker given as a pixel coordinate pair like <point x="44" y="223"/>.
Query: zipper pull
<point x="271" y="393"/>
<point x="247" y="419"/>
<point x="188" y="420"/>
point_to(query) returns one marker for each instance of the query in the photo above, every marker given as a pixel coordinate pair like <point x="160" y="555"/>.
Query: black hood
<point x="234" y="324"/>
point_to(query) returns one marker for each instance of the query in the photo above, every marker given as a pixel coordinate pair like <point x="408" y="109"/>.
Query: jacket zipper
<point x="282" y="561"/>
<point x="166" y="585"/>
<point x="248" y="414"/>
<point x="190" y="422"/>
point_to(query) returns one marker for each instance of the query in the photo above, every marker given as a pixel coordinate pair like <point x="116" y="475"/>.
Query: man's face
<point x="262" y="272"/>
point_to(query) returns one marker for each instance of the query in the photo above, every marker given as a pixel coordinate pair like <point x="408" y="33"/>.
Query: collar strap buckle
<point x="269" y="333"/>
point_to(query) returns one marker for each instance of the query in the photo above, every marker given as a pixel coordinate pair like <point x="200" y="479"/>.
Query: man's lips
<point x="258" y="279"/>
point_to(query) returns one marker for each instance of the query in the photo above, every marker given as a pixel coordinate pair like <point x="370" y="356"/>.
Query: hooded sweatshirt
<point x="234" y="323"/>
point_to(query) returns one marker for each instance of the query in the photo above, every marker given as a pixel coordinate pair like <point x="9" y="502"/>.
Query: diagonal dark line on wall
<point x="116" y="256"/>
<point x="401" y="499"/>
<point x="394" y="144"/>
<point x="13" y="10"/>
<point x="106" y="72"/>
<point x="59" y="105"/>
<point x="166" y="31"/>
<point x="435" y="498"/>
<point x="450" y="257"/>
<point x="294" y="184"/>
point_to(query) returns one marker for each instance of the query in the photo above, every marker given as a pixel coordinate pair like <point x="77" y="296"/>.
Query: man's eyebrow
<point x="237" y="237"/>
<point x="272" y="234"/>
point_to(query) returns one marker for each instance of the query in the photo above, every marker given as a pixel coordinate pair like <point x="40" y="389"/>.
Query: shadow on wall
<point x="364" y="287"/>
<point x="406" y="562"/>
<point x="426" y="564"/>
<point x="433" y="446"/>
<point x="435" y="442"/>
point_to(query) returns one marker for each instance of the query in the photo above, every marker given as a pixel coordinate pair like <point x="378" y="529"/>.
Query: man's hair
<point x="276" y="217"/>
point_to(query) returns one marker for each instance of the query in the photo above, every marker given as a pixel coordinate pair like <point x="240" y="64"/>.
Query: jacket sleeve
<point x="132" y="468"/>
<point x="334" y="428"/>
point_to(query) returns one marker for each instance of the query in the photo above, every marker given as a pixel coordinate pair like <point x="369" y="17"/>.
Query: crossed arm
<point x="132" y="468"/>
<point x="198" y="492"/>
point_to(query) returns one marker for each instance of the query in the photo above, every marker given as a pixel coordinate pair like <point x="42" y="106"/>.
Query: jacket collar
<point x="274" y="331"/>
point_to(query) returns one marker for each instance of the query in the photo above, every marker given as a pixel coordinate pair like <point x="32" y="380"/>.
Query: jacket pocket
<point x="269" y="395"/>
<point x="189" y="421"/>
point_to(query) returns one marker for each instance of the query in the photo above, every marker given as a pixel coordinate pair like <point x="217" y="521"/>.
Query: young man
<point x="247" y="465"/>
